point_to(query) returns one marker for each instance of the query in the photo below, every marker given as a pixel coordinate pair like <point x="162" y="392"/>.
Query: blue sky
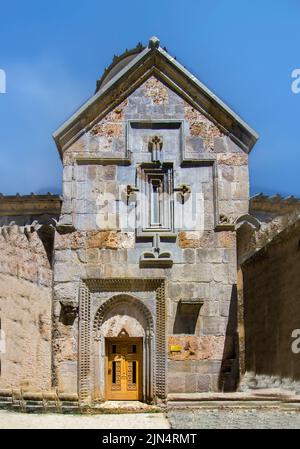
<point x="53" y="52"/>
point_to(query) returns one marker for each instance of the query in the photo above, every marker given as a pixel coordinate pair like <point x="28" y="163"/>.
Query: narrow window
<point x="155" y="202"/>
<point x="114" y="349"/>
<point x="114" y="372"/>
<point x="133" y="349"/>
<point x="134" y="372"/>
<point x="156" y="206"/>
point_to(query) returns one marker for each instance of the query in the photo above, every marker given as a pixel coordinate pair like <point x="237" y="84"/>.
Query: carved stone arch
<point x="142" y="322"/>
<point x="115" y="300"/>
<point x="247" y="219"/>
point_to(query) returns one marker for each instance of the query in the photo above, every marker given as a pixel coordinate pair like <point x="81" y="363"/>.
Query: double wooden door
<point x="124" y="363"/>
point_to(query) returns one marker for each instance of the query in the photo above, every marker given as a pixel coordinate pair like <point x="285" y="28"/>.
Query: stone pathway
<point x="234" y="419"/>
<point x="11" y="420"/>
<point x="178" y="419"/>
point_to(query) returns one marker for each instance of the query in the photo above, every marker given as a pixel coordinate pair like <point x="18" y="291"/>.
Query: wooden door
<point x="124" y="362"/>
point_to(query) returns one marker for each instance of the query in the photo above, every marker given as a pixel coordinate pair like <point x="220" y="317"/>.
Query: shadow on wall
<point x="229" y="372"/>
<point x="271" y="310"/>
<point x="186" y="318"/>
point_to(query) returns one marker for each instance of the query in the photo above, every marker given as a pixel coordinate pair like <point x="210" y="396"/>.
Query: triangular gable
<point x="155" y="61"/>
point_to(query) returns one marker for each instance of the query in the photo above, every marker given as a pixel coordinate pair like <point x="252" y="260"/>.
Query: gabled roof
<point x="128" y="72"/>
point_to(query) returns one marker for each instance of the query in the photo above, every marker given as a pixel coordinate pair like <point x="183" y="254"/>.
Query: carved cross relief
<point x="156" y="208"/>
<point x="155" y="146"/>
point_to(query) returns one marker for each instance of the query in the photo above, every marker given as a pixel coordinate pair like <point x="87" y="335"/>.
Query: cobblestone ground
<point x="234" y="419"/>
<point x="10" y="420"/>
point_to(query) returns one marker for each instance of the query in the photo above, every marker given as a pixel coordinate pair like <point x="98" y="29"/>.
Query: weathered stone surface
<point x="68" y="272"/>
<point x="110" y="240"/>
<point x="74" y="240"/>
<point x="156" y="91"/>
<point x="197" y="348"/>
<point x="24" y="256"/>
<point x="25" y="310"/>
<point x="232" y="159"/>
<point x="226" y="239"/>
<point x="201" y="126"/>
<point x="66" y="290"/>
<point x="196" y="239"/>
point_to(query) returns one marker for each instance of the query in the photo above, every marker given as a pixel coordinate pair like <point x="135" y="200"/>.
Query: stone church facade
<point x="129" y="286"/>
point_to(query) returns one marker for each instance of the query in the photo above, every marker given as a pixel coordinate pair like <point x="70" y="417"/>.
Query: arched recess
<point x="123" y="312"/>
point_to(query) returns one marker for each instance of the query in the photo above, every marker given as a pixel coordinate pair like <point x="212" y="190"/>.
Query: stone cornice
<point x="275" y="204"/>
<point x="17" y="205"/>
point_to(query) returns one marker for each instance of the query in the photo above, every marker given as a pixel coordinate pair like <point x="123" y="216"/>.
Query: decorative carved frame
<point x="157" y="387"/>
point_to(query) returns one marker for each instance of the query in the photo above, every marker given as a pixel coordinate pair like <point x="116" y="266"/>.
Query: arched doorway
<point x="123" y="350"/>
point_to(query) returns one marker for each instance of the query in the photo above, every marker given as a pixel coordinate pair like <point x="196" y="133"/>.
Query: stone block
<point x="176" y="367"/>
<point x="176" y="384"/>
<point x="92" y="255"/>
<point x="220" y="273"/>
<point x="226" y="239"/>
<point x="109" y="173"/>
<point x="240" y="190"/>
<point x="176" y="290"/>
<point x="224" y="308"/>
<point x="80" y="173"/>
<point x="67" y="206"/>
<point x="94" y="271"/>
<point x="215" y="382"/>
<point x="232" y="159"/>
<point x="209" y="255"/>
<point x="191" y="381"/>
<point x="66" y="290"/>
<point x="189" y="256"/>
<point x="210" y="308"/>
<point x="67" y="173"/>
<point x="215" y="326"/>
<point x="110" y="240"/>
<point x="81" y="190"/>
<point x="211" y="367"/>
<point x="196" y="347"/>
<point x="67" y="272"/>
<point x="203" y="383"/>
<point x="220" y="291"/>
<point x="194" y="290"/>
<point x="196" y="239"/>
<point x="85" y="222"/>
<point x="74" y="240"/>
<point x="67" y="190"/>
<point x="65" y="255"/>
<point x="226" y="145"/>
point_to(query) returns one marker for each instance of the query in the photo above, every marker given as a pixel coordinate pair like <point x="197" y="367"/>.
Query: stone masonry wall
<point x="271" y="305"/>
<point x="25" y="309"/>
<point x="204" y="260"/>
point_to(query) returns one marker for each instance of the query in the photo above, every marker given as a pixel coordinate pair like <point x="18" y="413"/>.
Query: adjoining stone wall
<point x="271" y="313"/>
<point x="25" y="309"/>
